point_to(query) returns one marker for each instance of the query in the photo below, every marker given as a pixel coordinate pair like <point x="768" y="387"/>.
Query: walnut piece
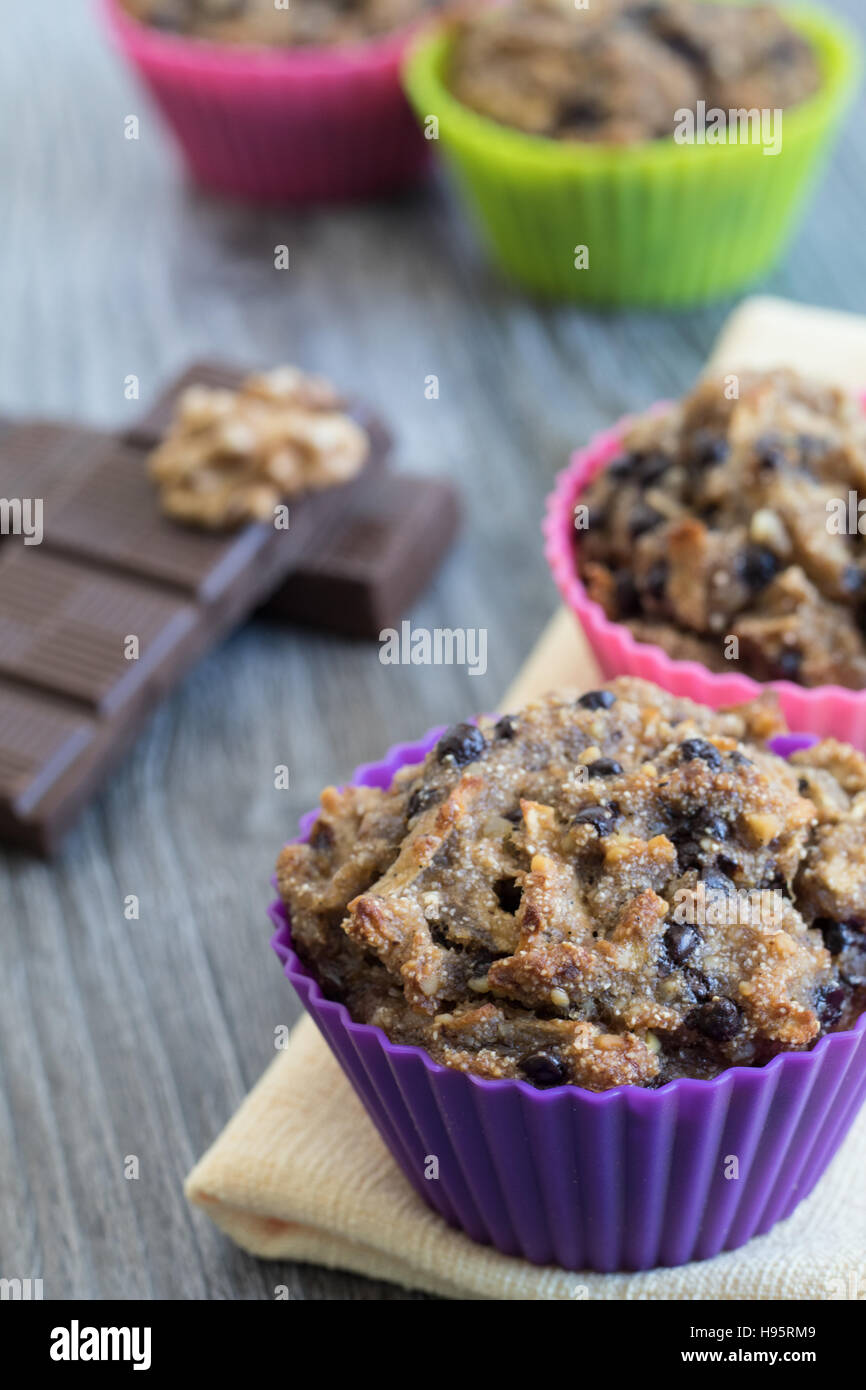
<point x="233" y="456"/>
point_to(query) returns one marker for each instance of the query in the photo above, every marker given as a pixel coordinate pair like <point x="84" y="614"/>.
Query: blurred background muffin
<point x="296" y="104"/>
<point x="634" y="153"/>
<point x="264" y="22"/>
<point x="620" y="71"/>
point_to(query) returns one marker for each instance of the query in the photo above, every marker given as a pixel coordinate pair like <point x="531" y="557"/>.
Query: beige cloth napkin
<point x="300" y="1172"/>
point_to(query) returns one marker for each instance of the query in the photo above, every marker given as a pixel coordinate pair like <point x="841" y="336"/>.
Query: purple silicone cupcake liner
<point x="616" y="1180"/>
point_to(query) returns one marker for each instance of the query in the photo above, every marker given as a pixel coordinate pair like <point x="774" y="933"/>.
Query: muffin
<point x="262" y="22"/>
<point x="620" y="71"/>
<point x="721" y="531"/>
<point x="621" y="889"/>
<point x="603" y="150"/>
<point x="575" y="958"/>
<point x="300" y="103"/>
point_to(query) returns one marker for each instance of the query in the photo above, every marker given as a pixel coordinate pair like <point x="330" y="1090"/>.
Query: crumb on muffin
<point x="618" y="888"/>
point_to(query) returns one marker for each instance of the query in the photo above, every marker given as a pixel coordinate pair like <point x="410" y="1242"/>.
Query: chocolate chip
<point x="505" y="727"/>
<point x="684" y="47"/>
<point x="680" y="940"/>
<point x="715" y="882"/>
<point x="625" y="466"/>
<point x="708" y="449"/>
<point x="770" y="452"/>
<point x="718" y="1019"/>
<point x="802" y="786"/>
<point x="699" y="748"/>
<point x="643" y="518"/>
<point x="834" y="933"/>
<point x="322" y="837"/>
<point x="689" y="853"/>
<point x="604" y="767"/>
<point x="515" y="816"/>
<point x="543" y="1069"/>
<point x="739" y="759"/>
<point x="829" y="1004"/>
<point x="508" y="893"/>
<point x="757" y="566"/>
<point x="465" y="743"/>
<point x="697" y="983"/>
<point x="711" y="824"/>
<point x="597" y="699"/>
<point x="788" y="663"/>
<point x="580" y="113"/>
<point x="420" y="799"/>
<point x="651" y="468"/>
<point x="656" y="580"/>
<point x="603" y="818"/>
<point x="852" y="580"/>
<point x="628" y="603"/>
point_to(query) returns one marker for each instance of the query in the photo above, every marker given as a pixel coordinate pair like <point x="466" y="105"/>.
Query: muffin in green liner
<point x="662" y="223"/>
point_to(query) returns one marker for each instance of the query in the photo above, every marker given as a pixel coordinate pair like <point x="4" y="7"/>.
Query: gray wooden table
<point x="121" y="1037"/>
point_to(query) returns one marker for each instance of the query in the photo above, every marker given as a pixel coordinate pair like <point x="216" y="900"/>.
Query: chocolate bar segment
<point x="38" y="459"/>
<point x="366" y="567"/>
<point x="108" y="613"/>
<point x="154" y="424"/>
<point x="38" y="740"/>
<point x="111" y="517"/>
<point x="76" y="632"/>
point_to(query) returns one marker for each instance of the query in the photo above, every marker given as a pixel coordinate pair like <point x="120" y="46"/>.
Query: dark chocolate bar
<point x="106" y="615"/>
<point x="364" y="573"/>
<point x="114" y="606"/>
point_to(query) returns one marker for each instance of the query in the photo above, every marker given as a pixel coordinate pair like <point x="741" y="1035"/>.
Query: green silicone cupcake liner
<point x="664" y="224"/>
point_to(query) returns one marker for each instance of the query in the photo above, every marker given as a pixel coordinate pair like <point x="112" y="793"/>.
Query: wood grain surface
<point x="138" y="1038"/>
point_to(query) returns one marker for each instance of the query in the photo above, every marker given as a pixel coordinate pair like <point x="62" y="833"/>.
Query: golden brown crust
<point x="618" y="888"/>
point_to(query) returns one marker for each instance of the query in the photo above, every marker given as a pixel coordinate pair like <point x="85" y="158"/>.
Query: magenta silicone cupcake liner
<point x="622" y="1179"/>
<point x="827" y="710"/>
<point x="289" y="124"/>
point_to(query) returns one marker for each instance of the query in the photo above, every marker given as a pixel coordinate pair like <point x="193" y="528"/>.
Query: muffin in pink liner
<point x="303" y="124"/>
<point x="623" y="1179"/>
<point x="827" y="710"/>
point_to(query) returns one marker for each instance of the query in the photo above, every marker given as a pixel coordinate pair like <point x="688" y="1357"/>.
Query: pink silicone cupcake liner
<point x="827" y="710"/>
<point x="623" y="1179"/>
<point x="297" y="125"/>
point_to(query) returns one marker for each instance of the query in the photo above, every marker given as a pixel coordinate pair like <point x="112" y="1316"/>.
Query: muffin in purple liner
<point x="669" y="1148"/>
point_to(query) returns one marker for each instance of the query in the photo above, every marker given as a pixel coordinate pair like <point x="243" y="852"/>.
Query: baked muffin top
<point x="618" y="70"/>
<point x="723" y="530"/>
<point x="615" y="888"/>
<point x="263" y="22"/>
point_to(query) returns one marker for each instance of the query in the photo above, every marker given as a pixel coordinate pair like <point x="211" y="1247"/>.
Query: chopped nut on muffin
<point x="620" y="70"/>
<point x="234" y="456"/>
<point x="716" y="533"/>
<point x="264" y="22"/>
<point x="618" y="888"/>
